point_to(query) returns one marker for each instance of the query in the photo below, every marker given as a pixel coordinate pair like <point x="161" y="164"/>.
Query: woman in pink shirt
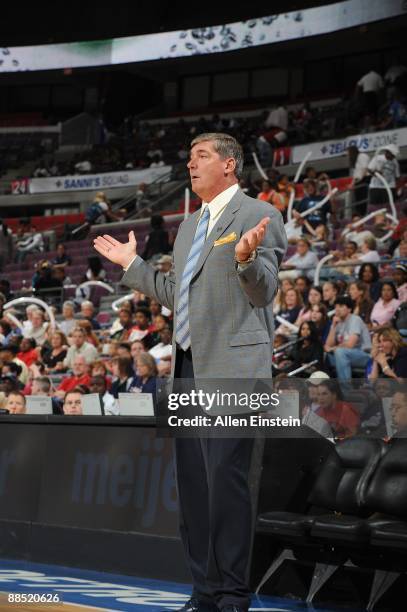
<point x="386" y="305"/>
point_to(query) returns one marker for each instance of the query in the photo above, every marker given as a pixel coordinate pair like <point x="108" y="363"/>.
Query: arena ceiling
<point x="37" y="23"/>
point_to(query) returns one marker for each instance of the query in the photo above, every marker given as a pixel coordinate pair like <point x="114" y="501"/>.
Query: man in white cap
<point x="310" y="417"/>
<point x="385" y="162"/>
<point x="164" y="264"/>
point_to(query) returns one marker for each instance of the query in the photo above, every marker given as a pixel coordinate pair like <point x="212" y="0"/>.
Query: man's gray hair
<point x="226" y="146"/>
<point x="44" y="383"/>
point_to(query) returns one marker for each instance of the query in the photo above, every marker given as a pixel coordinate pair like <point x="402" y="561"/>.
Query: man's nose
<point x="191" y="164"/>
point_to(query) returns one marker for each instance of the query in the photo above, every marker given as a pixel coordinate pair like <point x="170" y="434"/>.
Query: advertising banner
<point x="91" y="182"/>
<point x="365" y="142"/>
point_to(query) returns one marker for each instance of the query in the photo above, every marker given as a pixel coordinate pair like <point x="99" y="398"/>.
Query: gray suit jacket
<point x="230" y="310"/>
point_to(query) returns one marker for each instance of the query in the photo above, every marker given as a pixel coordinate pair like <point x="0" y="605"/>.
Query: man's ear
<point x="230" y="166"/>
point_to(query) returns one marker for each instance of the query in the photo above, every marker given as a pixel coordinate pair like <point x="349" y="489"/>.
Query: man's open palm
<point x="116" y="251"/>
<point x="251" y="240"/>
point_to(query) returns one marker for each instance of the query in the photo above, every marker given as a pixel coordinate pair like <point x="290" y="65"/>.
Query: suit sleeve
<point x="152" y="283"/>
<point x="259" y="279"/>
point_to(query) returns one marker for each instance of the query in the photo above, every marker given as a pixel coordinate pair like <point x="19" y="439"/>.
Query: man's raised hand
<point x="116" y="251"/>
<point x="251" y="240"/>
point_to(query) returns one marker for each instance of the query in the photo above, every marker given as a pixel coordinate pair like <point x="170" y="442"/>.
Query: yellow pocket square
<point x="226" y="239"/>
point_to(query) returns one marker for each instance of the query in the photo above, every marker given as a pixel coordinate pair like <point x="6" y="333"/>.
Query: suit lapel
<point x="220" y="227"/>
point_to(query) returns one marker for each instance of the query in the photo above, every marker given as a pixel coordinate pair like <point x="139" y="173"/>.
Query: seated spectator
<point x="45" y="280"/>
<point x="142" y="328"/>
<point x="33" y="243"/>
<point x="399" y="276"/>
<point x="294" y="228"/>
<point x="330" y="292"/>
<point x="83" y="166"/>
<point x="15" y="403"/>
<point x="279" y="302"/>
<point x="401" y="251"/>
<point x="164" y="264"/>
<point x="162" y="351"/>
<point x="80" y="376"/>
<point x="157" y="241"/>
<point x="155" y="309"/>
<point x="12" y="371"/>
<point x="359" y="292"/>
<point x="80" y="347"/>
<point x="62" y="259"/>
<point x="73" y="402"/>
<point x="8" y="354"/>
<point x="5" y="332"/>
<point x="348" y="255"/>
<point x="98" y="368"/>
<point x="53" y="356"/>
<point x="384" y="309"/>
<point x="122" y="327"/>
<point x="381" y="226"/>
<point x="304" y="261"/>
<point x="28" y="351"/>
<point x="69" y="322"/>
<point x="368" y="253"/>
<point x="154" y="150"/>
<point x="53" y="168"/>
<point x="124" y="350"/>
<point x="98" y="385"/>
<point x="311" y="199"/>
<point x="319" y="316"/>
<point x="348" y="343"/>
<point x="356" y="234"/>
<point x="303" y="284"/>
<point x="317" y="236"/>
<point x="146" y="379"/>
<point x="88" y="313"/>
<point x="95" y="269"/>
<point x="122" y="369"/>
<point x="42" y="386"/>
<point x="157" y="162"/>
<point x="9" y="384"/>
<point x="342" y="417"/>
<point x="290" y="310"/>
<point x="38" y="329"/>
<point x="41" y="171"/>
<point x="314" y="297"/>
<point x="389" y="356"/>
<point x="399" y="412"/>
<point x="307" y="349"/>
<point x="270" y="193"/>
<point x="285" y="187"/>
<point x="369" y="274"/>
<point x="137" y="347"/>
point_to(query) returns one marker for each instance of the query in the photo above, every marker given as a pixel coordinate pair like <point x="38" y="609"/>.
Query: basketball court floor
<point x="66" y="590"/>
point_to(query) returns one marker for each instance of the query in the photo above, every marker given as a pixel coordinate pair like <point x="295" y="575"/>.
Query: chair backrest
<point x="342" y="482"/>
<point x="387" y="491"/>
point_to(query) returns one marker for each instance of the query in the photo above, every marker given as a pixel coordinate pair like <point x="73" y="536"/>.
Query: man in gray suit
<point x="221" y="290"/>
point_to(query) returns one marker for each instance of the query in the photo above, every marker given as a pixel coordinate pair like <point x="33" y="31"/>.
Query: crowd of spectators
<point x="78" y="357"/>
<point x="377" y="103"/>
<point x="347" y="321"/>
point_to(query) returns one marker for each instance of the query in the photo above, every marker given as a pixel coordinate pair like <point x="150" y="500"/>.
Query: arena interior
<point x="97" y="113"/>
